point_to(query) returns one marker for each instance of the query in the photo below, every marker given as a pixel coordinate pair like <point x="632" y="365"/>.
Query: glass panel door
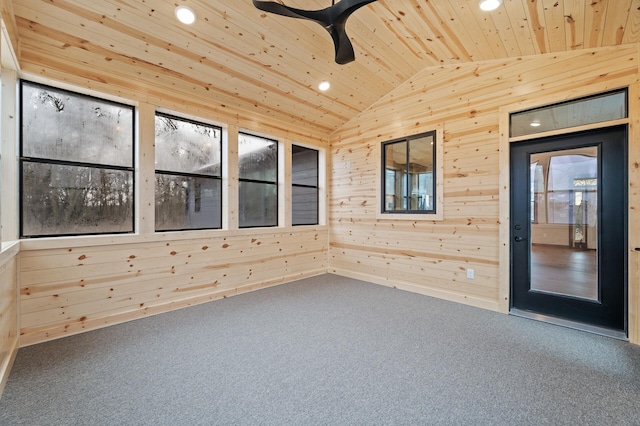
<point x="564" y="226"/>
<point x="569" y="228"/>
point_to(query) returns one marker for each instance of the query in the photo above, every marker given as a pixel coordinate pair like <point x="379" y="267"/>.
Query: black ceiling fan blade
<point x="333" y="19"/>
<point x="343" y="46"/>
<point x="319" y="16"/>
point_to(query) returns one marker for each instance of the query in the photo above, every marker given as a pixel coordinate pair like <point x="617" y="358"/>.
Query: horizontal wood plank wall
<point x="67" y="290"/>
<point x="8" y="311"/>
<point x="432" y="257"/>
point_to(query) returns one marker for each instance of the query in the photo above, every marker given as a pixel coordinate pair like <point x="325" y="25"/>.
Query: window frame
<point x="98" y="166"/>
<point x="537" y="131"/>
<point x="437" y="214"/>
<point x="193" y="175"/>
<point x="276" y="183"/>
<point x="316" y="187"/>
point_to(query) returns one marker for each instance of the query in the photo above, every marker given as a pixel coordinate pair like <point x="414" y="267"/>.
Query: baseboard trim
<point x="426" y="291"/>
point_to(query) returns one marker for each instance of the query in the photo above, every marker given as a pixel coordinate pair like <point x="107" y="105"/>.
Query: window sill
<point x="427" y="217"/>
<point x="156" y="237"/>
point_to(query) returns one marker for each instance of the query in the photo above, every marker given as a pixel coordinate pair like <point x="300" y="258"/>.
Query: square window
<point x="409" y="175"/>
<point x="76" y="162"/>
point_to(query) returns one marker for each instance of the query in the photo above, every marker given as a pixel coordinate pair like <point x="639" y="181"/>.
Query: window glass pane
<point x="395" y="176"/>
<point x="258" y="204"/>
<point x="595" y="109"/>
<point x="421" y="173"/>
<point x="304" y="205"/>
<point x="257" y="158"/>
<point x="60" y="200"/>
<point x="409" y="180"/>
<point x="304" y="166"/>
<point x="568" y="175"/>
<point x="188" y="147"/>
<point x="304" y="176"/>
<point x="60" y="125"/>
<point x="184" y="202"/>
<point x="537" y="195"/>
<point x="565" y="169"/>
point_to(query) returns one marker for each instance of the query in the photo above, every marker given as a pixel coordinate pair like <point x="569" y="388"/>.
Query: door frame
<point x="633" y="202"/>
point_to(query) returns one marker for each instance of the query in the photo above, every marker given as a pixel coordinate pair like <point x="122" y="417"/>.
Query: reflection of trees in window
<point x="258" y="181"/>
<point x="188" y="174"/>
<point x="409" y="184"/>
<point x="304" y="182"/>
<point x="76" y="163"/>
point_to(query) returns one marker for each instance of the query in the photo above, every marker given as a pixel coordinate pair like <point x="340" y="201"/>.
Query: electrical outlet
<point x="470" y="273"/>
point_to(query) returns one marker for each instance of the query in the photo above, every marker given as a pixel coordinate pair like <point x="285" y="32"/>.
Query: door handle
<point x="519" y="239"/>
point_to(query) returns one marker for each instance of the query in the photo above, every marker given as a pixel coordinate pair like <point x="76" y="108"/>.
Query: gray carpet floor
<point x="327" y="351"/>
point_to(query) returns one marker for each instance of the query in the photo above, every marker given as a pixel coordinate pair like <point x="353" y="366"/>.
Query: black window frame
<point x="383" y="180"/>
<point x="193" y="175"/>
<point x="260" y="181"/>
<point x="316" y="187"/>
<point x="39" y="160"/>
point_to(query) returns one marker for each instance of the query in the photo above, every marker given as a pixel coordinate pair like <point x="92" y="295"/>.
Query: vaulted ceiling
<point x="240" y="60"/>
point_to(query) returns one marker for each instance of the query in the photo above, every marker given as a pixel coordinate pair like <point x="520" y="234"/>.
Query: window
<point x="76" y="161"/>
<point x="188" y="174"/>
<point x="572" y="196"/>
<point x="537" y="195"/>
<point x="258" y="181"/>
<point x="409" y="184"/>
<point x="304" y="182"/>
<point x="578" y="112"/>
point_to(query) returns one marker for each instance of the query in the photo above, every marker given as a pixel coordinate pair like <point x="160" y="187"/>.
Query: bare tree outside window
<point x="76" y="162"/>
<point x="188" y="174"/>
<point x="258" y="186"/>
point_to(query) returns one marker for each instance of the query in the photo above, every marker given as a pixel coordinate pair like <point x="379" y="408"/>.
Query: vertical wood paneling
<point x="574" y="18"/>
<point x="632" y="27"/>
<point x="535" y="15"/>
<point x="146" y="169"/>
<point x="432" y="257"/>
<point x="595" y="14"/>
<point x="615" y="22"/>
<point x="554" y="17"/>
<point x="8" y="312"/>
<point x="70" y="289"/>
<point x="9" y="169"/>
<point x="634" y="215"/>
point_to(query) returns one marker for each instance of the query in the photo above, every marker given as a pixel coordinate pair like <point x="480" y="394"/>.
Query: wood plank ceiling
<point x="240" y="60"/>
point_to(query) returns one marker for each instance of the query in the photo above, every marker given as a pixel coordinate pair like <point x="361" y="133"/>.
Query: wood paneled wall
<point x="8" y="311"/>
<point x="70" y="289"/>
<point x="431" y="257"/>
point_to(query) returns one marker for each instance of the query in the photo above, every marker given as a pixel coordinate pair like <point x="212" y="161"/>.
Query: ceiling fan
<point x="332" y="18"/>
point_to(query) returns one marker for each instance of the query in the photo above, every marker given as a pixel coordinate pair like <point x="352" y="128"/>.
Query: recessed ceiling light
<point x="185" y="14"/>
<point x="489" y="5"/>
<point x="535" y="123"/>
<point x="324" y="86"/>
